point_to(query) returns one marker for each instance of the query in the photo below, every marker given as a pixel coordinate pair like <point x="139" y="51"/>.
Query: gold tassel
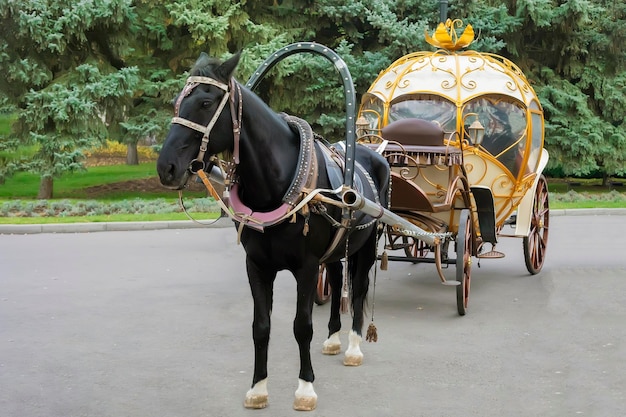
<point x="384" y="261"/>
<point x="372" y="334"/>
<point x="344" y="304"/>
<point x="293" y="218"/>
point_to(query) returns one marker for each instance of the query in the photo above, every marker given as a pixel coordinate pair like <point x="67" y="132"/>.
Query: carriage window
<point x="505" y="128"/>
<point x="427" y="107"/>
<point x="536" y="138"/>
<point x="372" y="109"/>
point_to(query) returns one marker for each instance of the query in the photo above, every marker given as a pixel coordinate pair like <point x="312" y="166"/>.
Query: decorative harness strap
<point x="192" y="82"/>
<point x="305" y="178"/>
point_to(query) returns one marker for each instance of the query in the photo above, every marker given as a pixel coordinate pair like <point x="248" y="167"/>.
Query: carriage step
<point x="451" y="283"/>
<point x="494" y="254"/>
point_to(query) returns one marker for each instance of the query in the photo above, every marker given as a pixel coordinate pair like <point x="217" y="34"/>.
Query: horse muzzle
<point x="172" y="177"/>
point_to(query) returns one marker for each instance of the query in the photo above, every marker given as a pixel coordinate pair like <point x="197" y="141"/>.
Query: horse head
<point x="203" y="122"/>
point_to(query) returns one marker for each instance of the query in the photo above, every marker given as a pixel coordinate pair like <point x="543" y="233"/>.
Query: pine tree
<point x="64" y="77"/>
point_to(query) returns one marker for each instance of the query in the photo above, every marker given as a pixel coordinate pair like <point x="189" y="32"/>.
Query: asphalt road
<point x="158" y="323"/>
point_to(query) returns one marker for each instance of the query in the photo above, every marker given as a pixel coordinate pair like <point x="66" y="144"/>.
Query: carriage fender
<point x="485" y="208"/>
<point x="525" y="208"/>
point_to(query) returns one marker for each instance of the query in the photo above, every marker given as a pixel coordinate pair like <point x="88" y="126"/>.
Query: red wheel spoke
<point x="535" y="243"/>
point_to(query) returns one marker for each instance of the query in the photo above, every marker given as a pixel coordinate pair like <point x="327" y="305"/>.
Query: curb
<point x="25" y="229"/>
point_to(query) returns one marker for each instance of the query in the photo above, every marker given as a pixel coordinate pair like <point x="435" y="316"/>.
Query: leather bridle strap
<point x="236" y="117"/>
<point x="192" y="82"/>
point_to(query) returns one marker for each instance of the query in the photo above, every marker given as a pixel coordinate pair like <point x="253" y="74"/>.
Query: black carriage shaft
<point x="348" y="89"/>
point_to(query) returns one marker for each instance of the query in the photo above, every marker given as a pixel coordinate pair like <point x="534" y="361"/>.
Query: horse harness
<point x="302" y="195"/>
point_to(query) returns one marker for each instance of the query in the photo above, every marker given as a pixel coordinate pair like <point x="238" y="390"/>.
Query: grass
<point x="72" y="185"/>
<point x="558" y="205"/>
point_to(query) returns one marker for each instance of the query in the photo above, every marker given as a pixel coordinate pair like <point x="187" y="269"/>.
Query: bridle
<point x="198" y="164"/>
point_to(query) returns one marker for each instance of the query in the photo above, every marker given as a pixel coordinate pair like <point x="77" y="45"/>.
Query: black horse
<point x="269" y="176"/>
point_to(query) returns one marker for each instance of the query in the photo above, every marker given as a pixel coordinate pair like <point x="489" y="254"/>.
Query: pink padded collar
<point x="262" y="219"/>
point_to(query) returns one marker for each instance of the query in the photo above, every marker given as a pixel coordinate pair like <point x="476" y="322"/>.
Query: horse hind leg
<point x="360" y="264"/>
<point x="332" y="345"/>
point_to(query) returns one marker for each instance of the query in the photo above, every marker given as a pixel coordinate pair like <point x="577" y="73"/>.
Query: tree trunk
<point x="132" y="156"/>
<point x="45" y="188"/>
<point x="605" y="179"/>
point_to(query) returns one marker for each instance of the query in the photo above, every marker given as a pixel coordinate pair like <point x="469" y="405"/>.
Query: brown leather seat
<point x="416" y="132"/>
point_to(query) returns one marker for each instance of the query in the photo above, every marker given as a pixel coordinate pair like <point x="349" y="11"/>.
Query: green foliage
<point x="79" y="72"/>
<point x="65" y="77"/>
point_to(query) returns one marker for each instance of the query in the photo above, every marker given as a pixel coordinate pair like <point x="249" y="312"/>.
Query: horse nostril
<point x="166" y="173"/>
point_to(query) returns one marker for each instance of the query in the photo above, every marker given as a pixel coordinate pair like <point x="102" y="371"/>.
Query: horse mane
<point x="205" y="65"/>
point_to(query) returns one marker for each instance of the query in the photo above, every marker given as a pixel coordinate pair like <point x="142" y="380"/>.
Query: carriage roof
<point x="455" y="76"/>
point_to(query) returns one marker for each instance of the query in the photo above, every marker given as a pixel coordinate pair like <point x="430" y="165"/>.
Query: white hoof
<point x="257" y="396"/>
<point x="306" y="398"/>
<point x="354" y="356"/>
<point x="332" y="345"/>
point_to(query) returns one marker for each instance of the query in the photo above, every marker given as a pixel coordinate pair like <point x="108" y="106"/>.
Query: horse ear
<point x="203" y="58"/>
<point x="227" y="69"/>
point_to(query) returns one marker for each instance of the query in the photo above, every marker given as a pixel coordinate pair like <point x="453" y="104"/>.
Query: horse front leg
<point x="306" y="278"/>
<point x="334" y="274"/>
<point x="262" y="287"/>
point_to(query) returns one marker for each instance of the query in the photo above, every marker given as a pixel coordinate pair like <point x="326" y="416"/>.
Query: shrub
<point x="113" y="149"/>
<point x="64" y="208"/>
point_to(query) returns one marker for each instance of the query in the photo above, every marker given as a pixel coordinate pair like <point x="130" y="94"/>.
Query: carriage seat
<point x="422" y="139"/>
<point x="414" y="132"/>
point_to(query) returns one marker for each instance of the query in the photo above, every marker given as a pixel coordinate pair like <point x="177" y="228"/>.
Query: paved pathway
<point x="157" y="323"/>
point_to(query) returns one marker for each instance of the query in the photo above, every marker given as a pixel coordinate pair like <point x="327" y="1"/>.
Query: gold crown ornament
<point x="445" y="36"/>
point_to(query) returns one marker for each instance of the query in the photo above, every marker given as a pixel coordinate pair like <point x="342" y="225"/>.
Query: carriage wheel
<point x="322" y="295"/>
<point x="536" y="242"/>
<point x="463" y="261"/>
<point x="415" y="248"/>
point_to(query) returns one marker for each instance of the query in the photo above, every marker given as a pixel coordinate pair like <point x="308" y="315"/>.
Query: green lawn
<point x="72" y="185"/>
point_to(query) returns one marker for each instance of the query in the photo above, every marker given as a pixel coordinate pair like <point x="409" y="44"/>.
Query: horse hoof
<point x="305" y="403"/>
<point x="331" y="349"/>
<point x="256" y="401"/>
<point x="332" y="345"/>
<point x="353" y="360"/>
<point x="257" y="396"/>
<point x="306" y="398"/>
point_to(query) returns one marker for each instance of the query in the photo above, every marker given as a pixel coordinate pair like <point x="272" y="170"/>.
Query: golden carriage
<point x="463" y="132"/>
